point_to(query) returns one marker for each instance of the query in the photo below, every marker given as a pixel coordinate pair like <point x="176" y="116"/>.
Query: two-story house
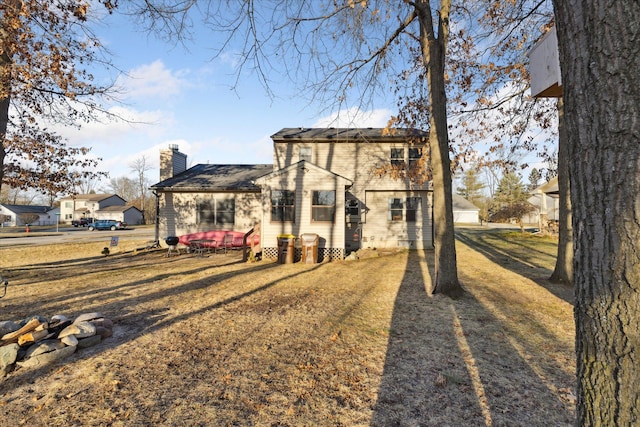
<point x="352" y="187"/>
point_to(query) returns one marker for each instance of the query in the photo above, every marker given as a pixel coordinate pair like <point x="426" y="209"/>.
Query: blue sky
<point x="183" y="97"/>
<point x="180" y="95"/>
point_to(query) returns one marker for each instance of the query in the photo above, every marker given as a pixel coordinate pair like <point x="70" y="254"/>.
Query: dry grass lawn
<point x="203" y="341"/>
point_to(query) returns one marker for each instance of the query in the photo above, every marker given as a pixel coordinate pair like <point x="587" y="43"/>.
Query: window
<point x="407" y="209"/>
<point x="225" y="211"/>
<point x="216" y="212"/>
<point x="395" y="209"/>
<point x="397" y="157"/>
<point x="413" y="206"/>
<point x="305" y="154"/>
<point x="323" y="206"/>
<point x="283" y="205"/>
<point x="414" y="156"/>
<point x="68" y="205"/>
<point x="352" y="208"/>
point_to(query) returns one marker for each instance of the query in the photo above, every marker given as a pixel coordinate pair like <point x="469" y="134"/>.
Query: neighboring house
<point x="128" y="214"/>
<point x="545" y="198"/>
<point x="88" y="206"/>
<point x="465" y="212"/>
<point x="322" y="181"/>
<point x="15" y="215"/>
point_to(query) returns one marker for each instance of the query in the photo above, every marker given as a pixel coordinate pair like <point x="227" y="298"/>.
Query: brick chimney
<point x="172" y="162"/>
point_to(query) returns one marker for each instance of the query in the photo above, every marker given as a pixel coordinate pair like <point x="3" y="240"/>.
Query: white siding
<point x="304" y="182"/>
<point x="357" y="161"/>
<point x="466" y="217"/>
<point x="178" y="212"/>
<point x="380" y="232"/>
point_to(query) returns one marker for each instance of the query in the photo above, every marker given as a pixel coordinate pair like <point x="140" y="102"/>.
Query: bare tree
<point x="140" y="166"/>
<point x="599" y="60"/>
<point x="338" y="51"/>
<point x="124" y="187"/>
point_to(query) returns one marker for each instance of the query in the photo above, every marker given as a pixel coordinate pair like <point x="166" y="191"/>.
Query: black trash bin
<point x="309" y="248"/>
<point x="286" y="250"/>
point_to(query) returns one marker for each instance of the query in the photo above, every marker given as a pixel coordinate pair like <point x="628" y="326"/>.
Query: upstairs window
<point x="283" y="207"/>
<point x="397" y="157"/>
<point x="323" y="206"/>
<point x="305" y="154"/>
<point x="415" y="154"/>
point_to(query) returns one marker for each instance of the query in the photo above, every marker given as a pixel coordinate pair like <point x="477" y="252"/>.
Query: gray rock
<point x="46" y="358"/>
<point x="43" y="347"/>
<point x="103" y="332"/>
<point x="90" y="341"/>
<point x="70" y="340"/>
<point x="79" y="329"/>
<point x="58" y="318"/>
<point x="8" y="326"/>
<point x="8" y="356"/>
<point x="88" y="316"/>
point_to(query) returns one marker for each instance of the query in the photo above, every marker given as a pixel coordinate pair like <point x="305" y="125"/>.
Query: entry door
<point x="353" y="226"/>
<point x="353" y="236"/>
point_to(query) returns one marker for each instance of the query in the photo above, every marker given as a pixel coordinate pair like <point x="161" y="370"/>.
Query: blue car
<point x="107" y="224"/>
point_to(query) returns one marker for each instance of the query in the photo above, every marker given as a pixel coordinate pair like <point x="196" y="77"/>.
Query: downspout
<point x="157" y="239"/>
<point x="433" y="233"/>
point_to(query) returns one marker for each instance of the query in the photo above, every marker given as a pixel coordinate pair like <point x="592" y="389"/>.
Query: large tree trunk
<point x="600" y="58"/>
<point x="433" y="51"/>
<point x="563" y="271"/>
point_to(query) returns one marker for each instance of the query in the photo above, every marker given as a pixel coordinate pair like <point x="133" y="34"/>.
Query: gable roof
<point x="23" y="209"/>
<point x="216" y="178"/>
<point x="346" y="134"/>
<point x="550" y="187"/>
<point x="91" y="197"/>
<point x="117" y="208"/>
<point x="304" y="165"/>
<point x="462" y="204"/>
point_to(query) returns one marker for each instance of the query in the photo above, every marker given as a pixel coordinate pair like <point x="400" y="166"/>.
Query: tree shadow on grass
<point x="453" y="363"/>
<point x="58" y="273"/>
<point x="526" y="260"/>
<point x="130" y="323"/>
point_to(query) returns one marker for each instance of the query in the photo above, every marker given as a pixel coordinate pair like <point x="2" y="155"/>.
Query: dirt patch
<point x="215" y="341"/>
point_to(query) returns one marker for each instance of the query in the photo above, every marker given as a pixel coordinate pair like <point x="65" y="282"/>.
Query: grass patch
<point x="214" y="341"/>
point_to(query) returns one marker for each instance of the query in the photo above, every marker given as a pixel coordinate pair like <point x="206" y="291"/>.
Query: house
<point x="545" y="198"/>
<point x="464" y="211"/>
<point x="353" y="188"/>
<point x="98" y="206"/>
<point x="19" y="215"/>
<point x="128" y="214"/>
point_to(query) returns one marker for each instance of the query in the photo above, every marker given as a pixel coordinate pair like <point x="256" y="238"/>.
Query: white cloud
<point x="133" y="123"/>
<point x="354" y="117"/>
<point x="153" y="80"/>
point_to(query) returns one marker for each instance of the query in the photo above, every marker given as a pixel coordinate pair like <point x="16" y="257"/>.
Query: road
<point x="71" y="234"/>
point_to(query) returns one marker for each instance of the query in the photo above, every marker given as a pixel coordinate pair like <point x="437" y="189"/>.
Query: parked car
<point x="82" y="222"/>
<point x="107" y="224"/>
